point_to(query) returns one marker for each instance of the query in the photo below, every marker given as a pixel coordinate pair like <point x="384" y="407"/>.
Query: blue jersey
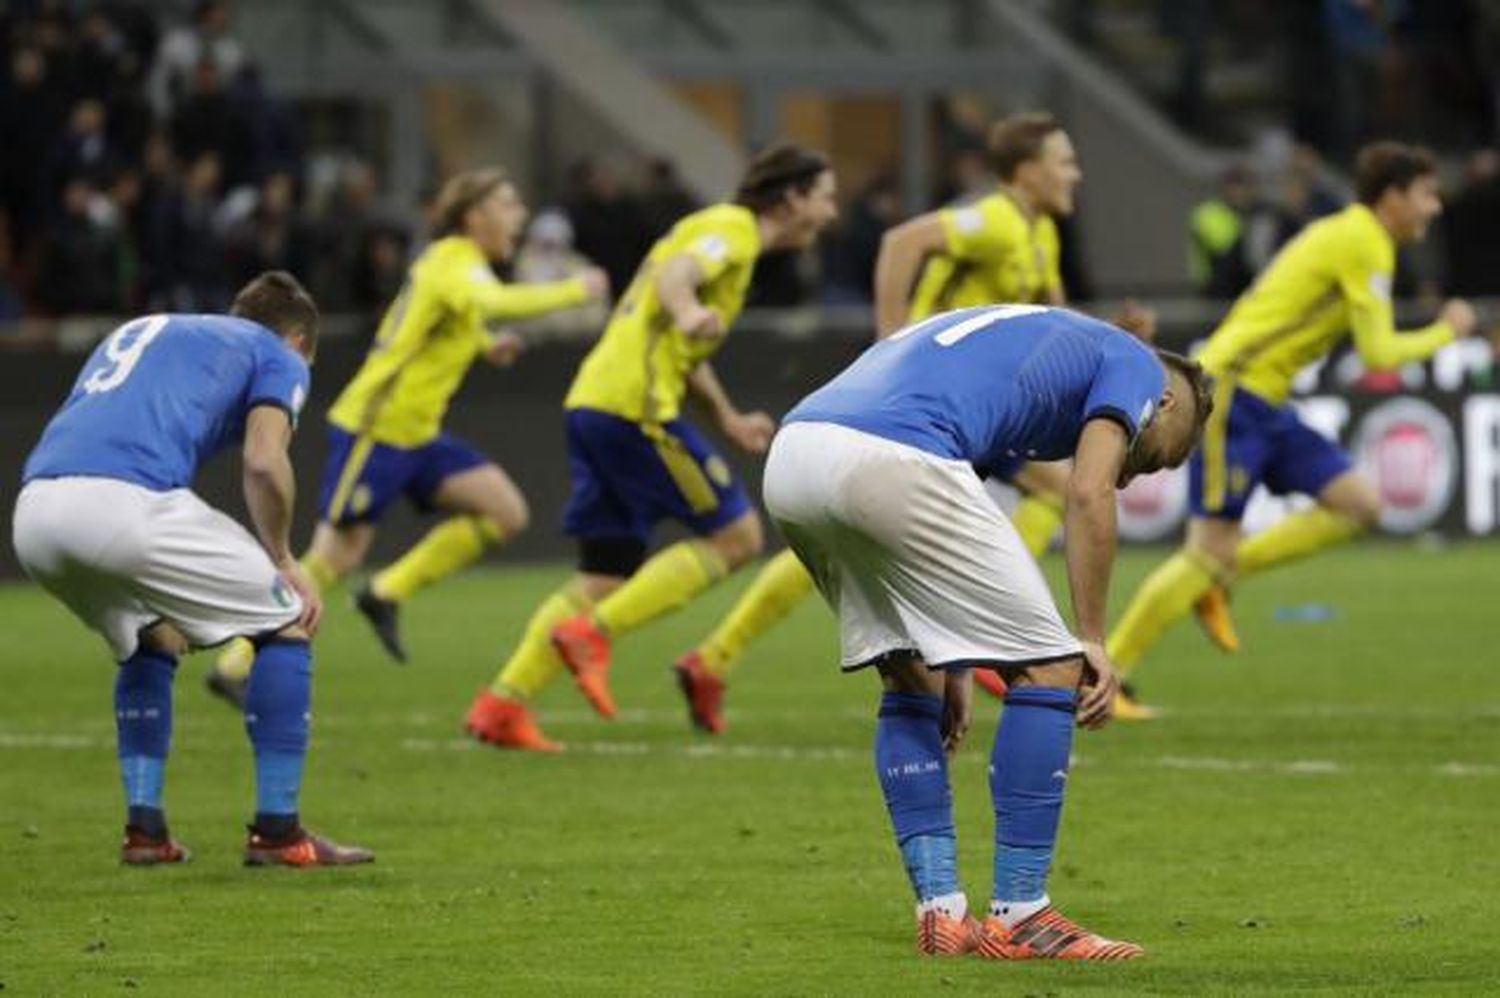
<point x="989" y="385"/>
<point x="163" y="394"/>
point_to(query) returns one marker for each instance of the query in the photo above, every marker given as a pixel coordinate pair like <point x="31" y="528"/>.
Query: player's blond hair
<point x="462" y="192"/>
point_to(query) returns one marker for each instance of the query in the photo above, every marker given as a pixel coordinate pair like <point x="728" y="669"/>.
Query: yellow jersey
<point x="638" y="370"/>
<point x="1332" y="280"/>
<point x="992" y="254"/>
<point x="429" y="337"/>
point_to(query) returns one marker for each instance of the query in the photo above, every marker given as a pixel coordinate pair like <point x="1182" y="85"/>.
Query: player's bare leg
<point x="667" y="580"/>
<point x="1220" y="539"/>
<point x="488" y="508"/>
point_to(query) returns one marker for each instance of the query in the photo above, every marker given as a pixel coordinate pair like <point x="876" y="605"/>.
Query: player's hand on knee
<point x="750" y="431"/>
<point x="312" y="603"/>
<point x="958" y="708"/>
<point x="1096" y="704"/>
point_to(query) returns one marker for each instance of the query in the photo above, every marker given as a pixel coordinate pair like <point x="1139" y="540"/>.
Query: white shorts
<point x="910" y="551"/>
<point x="123" y="557"/>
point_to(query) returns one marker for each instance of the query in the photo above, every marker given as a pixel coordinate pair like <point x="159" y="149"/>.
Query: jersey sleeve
<point x="493" y="299"/>
<point x="970" y="232"/>
<point x="1365" y="282"/>
<point x="281" y="378"/>
<point x="716" y="246"/>
<point x="1126" y="388"/>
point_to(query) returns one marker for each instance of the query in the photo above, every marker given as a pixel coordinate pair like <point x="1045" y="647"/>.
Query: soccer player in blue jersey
<point x="872" y="480"/>
<point x="107" y="523"/>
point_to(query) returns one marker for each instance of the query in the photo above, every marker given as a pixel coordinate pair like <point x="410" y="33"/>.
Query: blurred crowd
<point x="149" y="169"/>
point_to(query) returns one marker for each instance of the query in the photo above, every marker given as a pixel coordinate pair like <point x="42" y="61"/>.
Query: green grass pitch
<point x="1319" y="815"/>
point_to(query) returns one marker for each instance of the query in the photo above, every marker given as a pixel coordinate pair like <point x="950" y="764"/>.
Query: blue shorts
<point x="1256" y="442"/>
<point x="362" y="478"/>
<point x="627" y="478"/>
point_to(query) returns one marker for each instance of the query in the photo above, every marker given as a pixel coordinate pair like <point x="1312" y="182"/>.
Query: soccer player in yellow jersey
<point x="636" y="462"/>
<point x="385" y="429"/>
<point x="1001" y="248"/>
<point x="1333" y="280"/>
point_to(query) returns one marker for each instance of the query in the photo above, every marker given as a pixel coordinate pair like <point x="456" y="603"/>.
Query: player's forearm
<point x="895" y="273"/>
<point x="522" y="301"/>
<point x="1383" y="349"/>
<point x="1089" y="522"/>
<point x="709" y="392"/>
<point x="270" y="493"/>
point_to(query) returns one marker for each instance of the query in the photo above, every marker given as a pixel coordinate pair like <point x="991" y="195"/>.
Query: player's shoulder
<point x="718" y="232"/>
<point x="1352" y="234"/>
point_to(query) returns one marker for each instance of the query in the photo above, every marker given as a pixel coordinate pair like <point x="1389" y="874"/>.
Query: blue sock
<point x="276" y="717"/>
<point x="143" y="732"/>
<point x="1028" y="773"/>
<point x="913" y="773"/>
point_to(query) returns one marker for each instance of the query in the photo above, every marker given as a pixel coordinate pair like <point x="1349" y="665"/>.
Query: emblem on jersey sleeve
<point x="968" y="220"/>
<point x="1148" y="413"/>
<point x="299" y="396"/>
<point x="1380" y="286"/>
<point x="482" y="274"/>
<point x="716" y="248"/>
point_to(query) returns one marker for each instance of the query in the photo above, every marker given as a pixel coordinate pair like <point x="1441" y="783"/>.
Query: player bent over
<point x="107" y="523"/>
<point x="385" y="432"/>
<point x="872" y="482"/>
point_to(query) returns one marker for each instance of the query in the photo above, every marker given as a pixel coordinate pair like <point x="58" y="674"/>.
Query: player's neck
<point x="1022" y="199"/>
<point x="1387" y="222"/>
<point x="772" y="231"/>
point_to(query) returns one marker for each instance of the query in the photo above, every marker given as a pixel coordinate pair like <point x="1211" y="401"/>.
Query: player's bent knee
<point x="292" y="632"/>
<point x="1064" y="675"/>
<point x="741" y="541"/>
<point x="513" y="518"/>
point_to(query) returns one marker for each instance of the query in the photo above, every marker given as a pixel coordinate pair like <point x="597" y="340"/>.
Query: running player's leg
<point x="446" y="474"/>
<point x="1348" y="505"/>
<point x="1038" y="516"/>
<point x="668" y="472"/>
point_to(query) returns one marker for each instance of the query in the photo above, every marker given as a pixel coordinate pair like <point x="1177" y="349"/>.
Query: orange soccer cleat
<point x="585" y="650"/>
<point x="704" y="692"/>
<point x="506" y="723"/>
<point x="989" y="680"/>
<point x="940" y="934"/>
<point x="140" y="849"/>
<point x="1049" y="935"/>
<point x="1212" y="610"/>
<point x="302" y="849"/>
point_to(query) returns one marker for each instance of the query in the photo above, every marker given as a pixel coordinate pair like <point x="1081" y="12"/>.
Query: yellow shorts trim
<point x="1216" y="447"/>
<point x="689" y="477"/>
<point x="354" y="465"/>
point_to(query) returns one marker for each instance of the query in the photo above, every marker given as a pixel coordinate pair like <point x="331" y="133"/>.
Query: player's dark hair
<point x="1018" y="139"/>
<point x="1198" y="380"/>
<point x="462" y="192"/>
<point x="1383" y="165"/>
<point x="777" y="170"/>
<point x="278" y="301"/>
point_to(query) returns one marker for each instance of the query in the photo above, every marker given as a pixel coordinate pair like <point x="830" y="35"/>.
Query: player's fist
<point x="700" y="323"/>
<point x="751" y="432"/>
<point x="595" y="282"/>
<point x="1461" y="316"/>
<point x="1137" y="320"/>
<point x="506" y="349"/>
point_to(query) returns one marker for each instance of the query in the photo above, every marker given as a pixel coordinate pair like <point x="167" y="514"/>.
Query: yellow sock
<point x="451" y="545"/>
<point x="1168" y="593"/>
<point x="238" y="655"/>
<point x="669" y="579"/>
<point x="319" y="572"/>
<point x="534" y="662"/>
<point x="1295" y="536"/>
<point x="778" y="587"/>
<point x="1037" y="518"/>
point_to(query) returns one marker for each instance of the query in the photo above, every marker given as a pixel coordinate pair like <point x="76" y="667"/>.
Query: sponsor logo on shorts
<point x="717" y="470"/>
<point x="282" y="593"/>
<point x="359" y="501"/>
